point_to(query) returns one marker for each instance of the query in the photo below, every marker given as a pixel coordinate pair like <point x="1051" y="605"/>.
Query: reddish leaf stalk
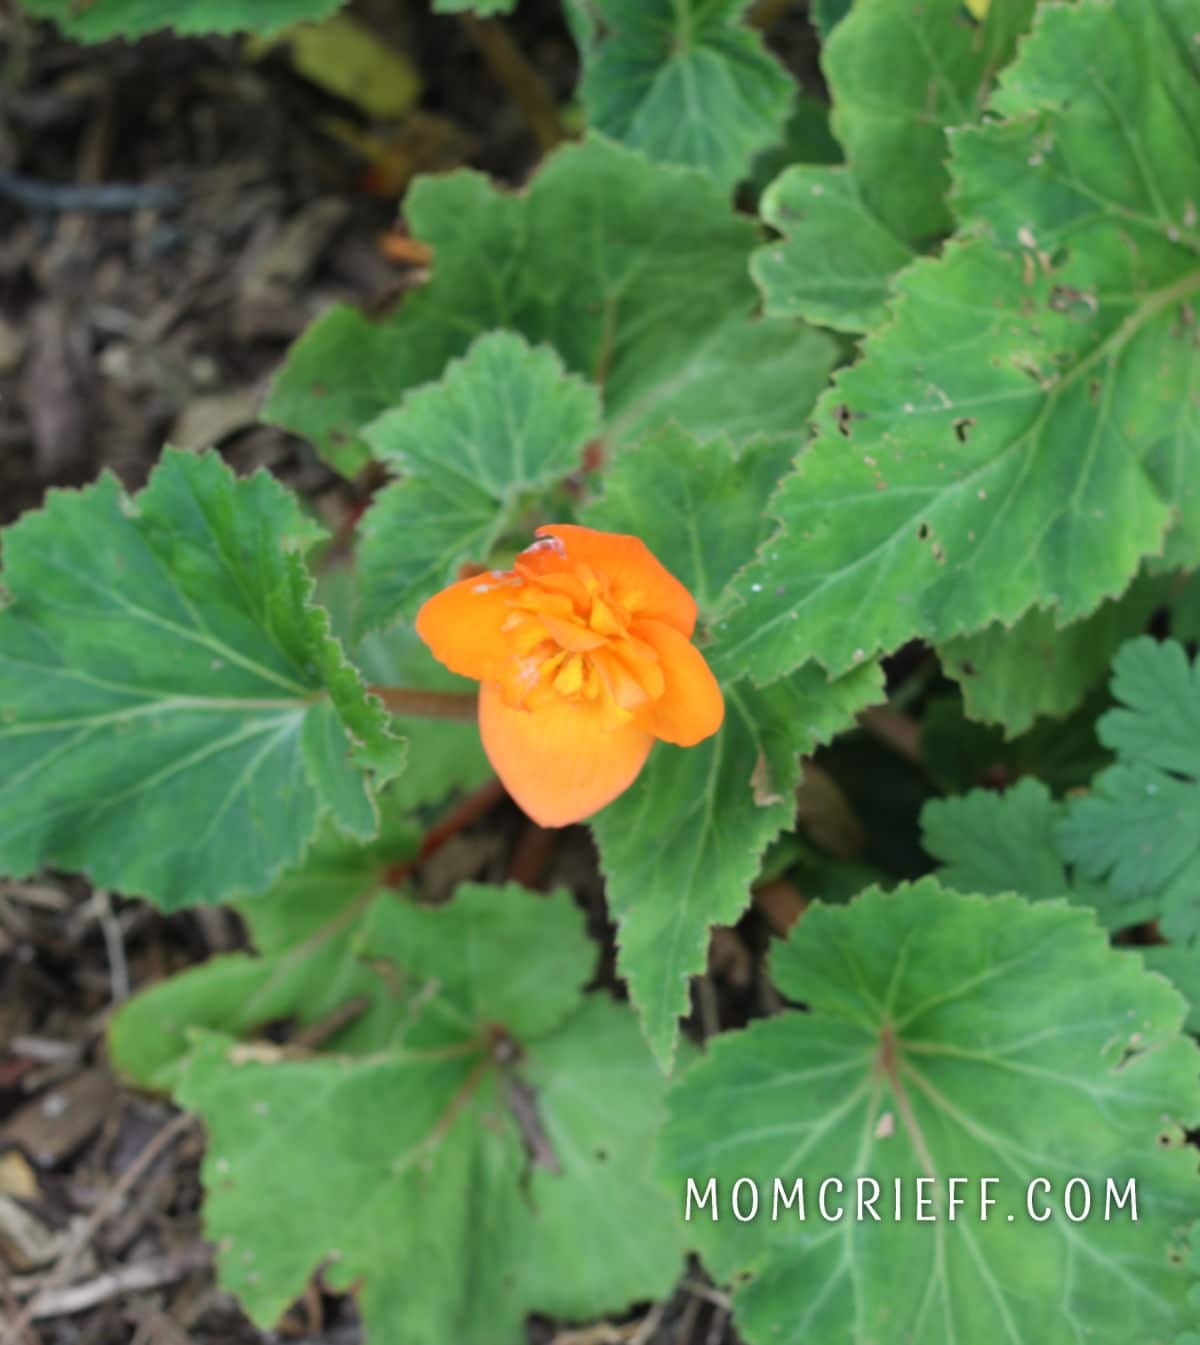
<point x="428" y="704"/>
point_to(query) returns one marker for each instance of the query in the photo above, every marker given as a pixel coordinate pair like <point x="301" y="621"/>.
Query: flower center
<point x="569" y="636"/>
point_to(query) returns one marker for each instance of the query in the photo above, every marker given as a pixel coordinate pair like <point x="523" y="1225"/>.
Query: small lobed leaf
<point x="504" y="423"/>
<point x="949" y="1036"/>
<point x="1023" y="431"/>
<point x="991" y="842"/>
<point x="174" y="713"/>
<point x="634" y="272"/>
<point x="96" y="22"/>
<point x="1139" y="828"/>
<point x="685" y="81"/>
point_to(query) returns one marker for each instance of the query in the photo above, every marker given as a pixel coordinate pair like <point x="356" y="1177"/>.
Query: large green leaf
<point x="634" y="272"/>
<point x="681" y="847"/>
<point x="949" y="1036"/>
<point x="685" y="81"/>
<point x="1140" y="827"/>
<point x="1024" y="430"/>
<point x="174" y="714"/>
<point x="506" y="421"/>
<point x="96" y="20"/>
<point x="491" y="1162"/>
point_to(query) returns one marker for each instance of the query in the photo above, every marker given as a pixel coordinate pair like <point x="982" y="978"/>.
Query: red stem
<point x="428" y="704"/>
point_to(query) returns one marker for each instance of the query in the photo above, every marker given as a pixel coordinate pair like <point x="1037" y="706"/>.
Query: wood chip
<point x="54" y="1125"/>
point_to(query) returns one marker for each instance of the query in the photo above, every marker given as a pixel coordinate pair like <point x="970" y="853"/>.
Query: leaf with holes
<point x="685" y="81"/>
<point x="949" y="1037"/>
<point x="174" y="713"/>
<point x="96" y="22"/>
<point x="1139" y="829"/>
<point x="506" y="422"/>
<point x="634" y="272"/>
<point x="681" y="847"/>
<point x="1024" y="432"/>
<point x="449" y="1172"/>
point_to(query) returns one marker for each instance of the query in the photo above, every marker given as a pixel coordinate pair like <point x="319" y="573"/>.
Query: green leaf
<point x="95" y="22"/>
<point x="949" y="1036"/>
<point x="307" y="932"/>
<point x="990" y="842"/>
<point x="960" y="753"/>
<point x="825" y="14"/>
<point x="174" y="714"/>
<point x="1004" y="442"/>
<point x="444" y="755"/>
<point x="1010" y="676"/>
<point x="1139" y="829"/>
<point x="480" y="7"/>
<point x="681" y="847"/>
<point x="492" y="955"/>
<point x="685" y="81"/>
<point x="898" y="76"/>
<point x="698" y="504"/>
<point x="837" y="257"/>
<point x="450" y="1173"/>
<point x="506" y="422"/>
<point x="635" y="273"/>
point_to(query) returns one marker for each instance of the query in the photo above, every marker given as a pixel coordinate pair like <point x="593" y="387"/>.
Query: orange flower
<point x="584" y="653"/>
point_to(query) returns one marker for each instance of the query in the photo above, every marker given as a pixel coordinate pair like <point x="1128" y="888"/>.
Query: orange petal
<point x="691" y="706"/>
<point x="564" y="761"/>
<point x="631" y="568"/>
<point x="462" y="624"/>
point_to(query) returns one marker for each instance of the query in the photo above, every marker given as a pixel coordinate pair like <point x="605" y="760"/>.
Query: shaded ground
<point x="163" y="320"/>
